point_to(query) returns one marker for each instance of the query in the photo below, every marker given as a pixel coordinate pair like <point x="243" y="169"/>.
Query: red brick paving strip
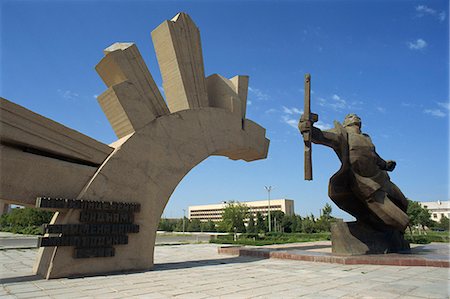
<point x="389" y="259"/>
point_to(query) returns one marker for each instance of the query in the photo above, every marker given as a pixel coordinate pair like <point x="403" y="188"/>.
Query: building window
<point x="434" y="215"/>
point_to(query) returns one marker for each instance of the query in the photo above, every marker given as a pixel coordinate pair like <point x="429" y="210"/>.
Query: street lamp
<point x="269" y="188"/>
<point x="184" y="216"/>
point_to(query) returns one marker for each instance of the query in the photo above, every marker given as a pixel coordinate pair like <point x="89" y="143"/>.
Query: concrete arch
<point x="158" y="157"/>
<point x="159" y="142"/>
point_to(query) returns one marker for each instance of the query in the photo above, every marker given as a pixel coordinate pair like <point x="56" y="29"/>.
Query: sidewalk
<point x="198" y="271"/>
<point x="17" y="241"/>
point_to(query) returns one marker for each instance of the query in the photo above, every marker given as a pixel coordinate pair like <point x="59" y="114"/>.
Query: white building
<point x="214" y="212"/>
<point x="437" y="209"/>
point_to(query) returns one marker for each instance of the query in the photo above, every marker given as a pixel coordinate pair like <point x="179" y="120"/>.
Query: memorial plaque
<point x="90" y="229"/>
<point x="94" y="252"/>
<point x="63" y="203"/>
<point x="90" y="216"/>
<point x="102" y="225"/>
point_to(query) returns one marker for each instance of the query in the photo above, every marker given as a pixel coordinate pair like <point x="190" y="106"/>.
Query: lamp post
<point x="184" y="216"/>
<point x="269" y="188"/>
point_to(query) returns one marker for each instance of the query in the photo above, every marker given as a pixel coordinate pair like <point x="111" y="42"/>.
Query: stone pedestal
<point x="355" y="238"/>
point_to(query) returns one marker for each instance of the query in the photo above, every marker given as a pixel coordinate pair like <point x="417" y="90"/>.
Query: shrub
<point x="271" y="238"/>
<point x="25" y="221"/>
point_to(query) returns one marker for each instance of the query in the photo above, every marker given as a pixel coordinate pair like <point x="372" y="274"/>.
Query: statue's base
<point x="354" y="238"/>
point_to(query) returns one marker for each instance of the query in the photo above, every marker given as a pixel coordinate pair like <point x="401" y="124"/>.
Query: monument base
<point x="355" y="238"/>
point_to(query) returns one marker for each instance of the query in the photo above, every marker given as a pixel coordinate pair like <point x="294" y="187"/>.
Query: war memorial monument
<point x="361" y="187"/>
<point x="109" y="198"/>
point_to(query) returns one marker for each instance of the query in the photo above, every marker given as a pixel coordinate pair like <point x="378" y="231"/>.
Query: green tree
<point x="324" y="222"/>
<point x="287" y="223"/>
<point x="297" y="225"/>
<point x="194" y="225"/>
<point x="443" y="223"/>
<point x="251" y="227"/>
<point x="309" y="224"/>
<point x="260" y="223"/>
<point x="208" y="226"/>
<point x="166" y="225"/>
<point x="276" y="218"/>
<point x="233" y="217"/>
<point x="26" y="220"/>
<point x="179" y="225"/>
<point x="418" y="215"/>
<point x="326" y="211"/>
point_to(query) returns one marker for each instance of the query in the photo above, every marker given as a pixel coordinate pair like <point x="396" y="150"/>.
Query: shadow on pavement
<point x="204" y="263"/>
<point x="20" y="279"/>
<point x="157" y="267"/>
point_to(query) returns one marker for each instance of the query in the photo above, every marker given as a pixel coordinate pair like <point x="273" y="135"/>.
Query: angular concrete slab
<point x="179" y="52"/>
<point x="125" y="109"/>
<point x="222" y="94"/>
<point x="22" y="128"/>
<point x="123" y="62"/>
<point x="240" y="84"/>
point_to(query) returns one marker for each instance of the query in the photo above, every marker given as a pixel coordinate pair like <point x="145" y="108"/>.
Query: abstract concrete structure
<point x="362" y="187"/>
<point x="157" y="144"/>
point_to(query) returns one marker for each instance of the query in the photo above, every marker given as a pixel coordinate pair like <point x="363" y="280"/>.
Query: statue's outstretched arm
<point x="329" y="137"/>
<point x="388" y="165"/>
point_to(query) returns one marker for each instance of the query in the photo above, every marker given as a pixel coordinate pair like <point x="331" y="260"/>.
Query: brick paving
<point x="430" y="255"/>
<point x="198" y="271"/>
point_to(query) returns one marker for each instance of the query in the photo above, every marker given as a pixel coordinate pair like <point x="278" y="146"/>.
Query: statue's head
<point x="352" y="120"/>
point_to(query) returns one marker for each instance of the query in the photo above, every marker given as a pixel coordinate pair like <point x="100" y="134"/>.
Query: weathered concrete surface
<point x="157" y="158"/>
<point x="155" y="149"/>
<point x="179" y="52"/>
<point x="353" y="238"/>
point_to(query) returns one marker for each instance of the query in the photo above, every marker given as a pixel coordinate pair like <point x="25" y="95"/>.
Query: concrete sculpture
<point x="158" y="144"/>
<point x="362" y="188"/>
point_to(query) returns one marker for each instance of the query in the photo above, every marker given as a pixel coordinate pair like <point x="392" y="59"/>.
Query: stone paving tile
<point x="149" y="296"/>
<point x="197" y="271"/>
<point x="374" y="295"/>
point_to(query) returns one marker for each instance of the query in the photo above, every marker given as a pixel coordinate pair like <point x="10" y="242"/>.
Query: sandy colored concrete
<point x="155" y="150"/>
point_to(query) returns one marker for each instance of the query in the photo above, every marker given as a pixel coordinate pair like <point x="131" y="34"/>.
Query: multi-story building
<point x="437" y="209"/>
<point x="214" y="212"/>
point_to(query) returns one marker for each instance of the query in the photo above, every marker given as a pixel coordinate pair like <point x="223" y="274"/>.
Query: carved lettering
<point x="61" y="203"/>
<point x="94" y="252"/>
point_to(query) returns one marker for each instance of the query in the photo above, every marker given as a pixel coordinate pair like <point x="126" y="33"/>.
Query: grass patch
<point x="431" y="236"/>
<point x="24" y="230"/>
<point x="285" y="238"/>
<point x="271" y="238"/>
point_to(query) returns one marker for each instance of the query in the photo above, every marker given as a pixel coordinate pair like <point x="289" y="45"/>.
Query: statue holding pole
<point x="361" y="187"/>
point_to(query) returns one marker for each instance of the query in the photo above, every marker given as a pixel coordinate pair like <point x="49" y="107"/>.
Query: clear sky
<point x="387" y="61"/>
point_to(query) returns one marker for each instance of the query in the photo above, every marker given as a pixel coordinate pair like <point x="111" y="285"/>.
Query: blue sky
<point x="387" y="61"/>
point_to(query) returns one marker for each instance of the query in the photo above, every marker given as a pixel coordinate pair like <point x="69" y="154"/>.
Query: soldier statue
<point x="361" y="187"/>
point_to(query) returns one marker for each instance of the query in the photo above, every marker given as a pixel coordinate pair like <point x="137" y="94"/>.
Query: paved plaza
<point x="198" y="271"/>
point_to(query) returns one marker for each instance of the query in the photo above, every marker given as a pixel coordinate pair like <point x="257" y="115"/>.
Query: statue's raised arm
<point x="362" y="186"/>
